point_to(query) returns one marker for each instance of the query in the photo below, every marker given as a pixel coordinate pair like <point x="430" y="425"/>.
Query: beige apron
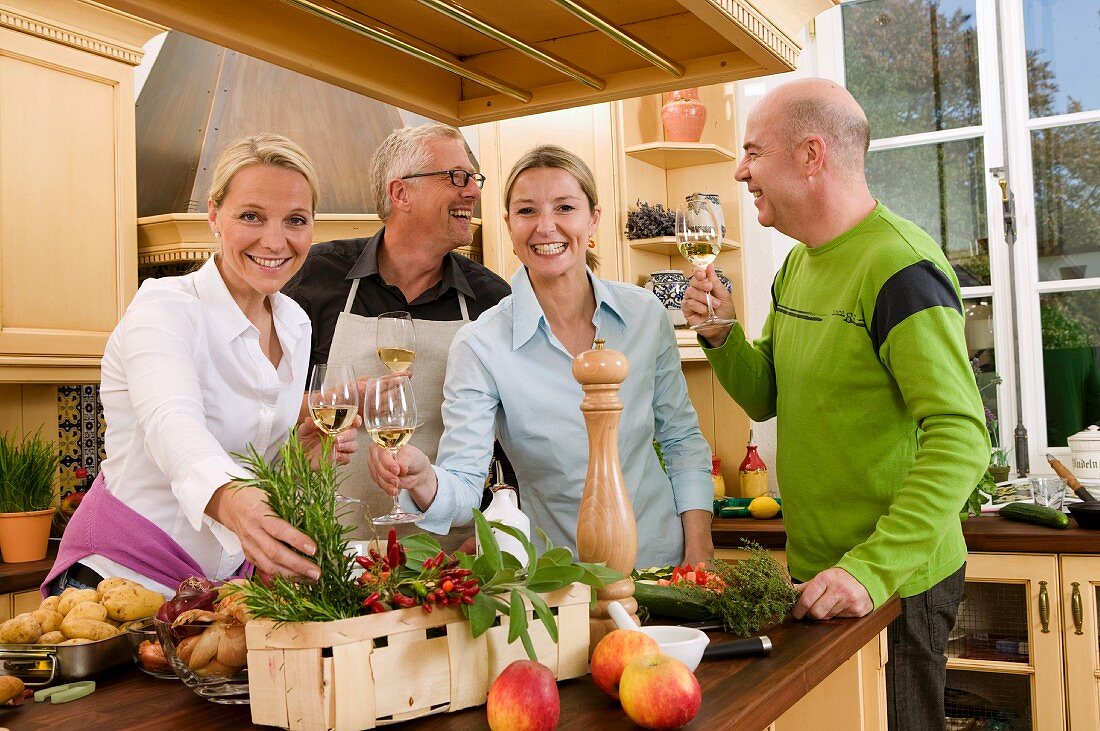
<point x="354" y="344"/>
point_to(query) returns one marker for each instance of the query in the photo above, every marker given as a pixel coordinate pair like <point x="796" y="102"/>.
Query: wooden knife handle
<point x="1062" y="471"/>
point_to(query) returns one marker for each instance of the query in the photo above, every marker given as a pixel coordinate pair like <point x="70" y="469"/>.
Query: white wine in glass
<point x="333" y="401"/>
<point x="396" y="340"/>
<point x="390" y="414"/>
<point x="699" y="238"/>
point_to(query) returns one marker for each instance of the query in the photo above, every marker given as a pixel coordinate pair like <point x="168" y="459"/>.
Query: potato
<point x="89" y="629"/>
<point x="125" y="603"/>
<point x="51" y="638"/>
<point x="50" y="603"/>
<point x="20" y="630"/>
<point x="48" y="619"/>
<point x="88" y="610"/>
<point x="75" y="641"/>
<point x="11" y="688"/>
<point x="113" y="583"/>
<point x="68" y="601"/>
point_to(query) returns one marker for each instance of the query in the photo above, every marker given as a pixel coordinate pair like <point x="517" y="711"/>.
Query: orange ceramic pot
<point x="25" y="536"/>
<point x="684" y="116"/>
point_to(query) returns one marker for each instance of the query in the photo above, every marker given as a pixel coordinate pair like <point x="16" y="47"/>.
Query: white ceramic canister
<point x="1084" y="453"/>
<point x="715" y="203"/>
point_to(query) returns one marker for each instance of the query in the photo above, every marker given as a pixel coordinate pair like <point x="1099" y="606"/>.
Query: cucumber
<point x="1038" y="514"/>
<point x="667" y="601"/>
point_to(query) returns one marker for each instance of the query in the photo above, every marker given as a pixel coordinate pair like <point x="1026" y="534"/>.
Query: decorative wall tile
<point x="80" y="428"/>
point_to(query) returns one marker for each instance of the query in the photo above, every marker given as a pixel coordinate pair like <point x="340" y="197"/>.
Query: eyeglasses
<point x="459" y="178"/>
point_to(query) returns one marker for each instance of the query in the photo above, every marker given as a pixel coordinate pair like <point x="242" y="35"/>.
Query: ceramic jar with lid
<point x="669" y="286"/>
<point x="1084" y="449"/>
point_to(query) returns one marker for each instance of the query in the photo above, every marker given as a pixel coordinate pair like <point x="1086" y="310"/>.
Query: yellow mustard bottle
<point x="716" y="474"/>
<point x="753" y="472"/>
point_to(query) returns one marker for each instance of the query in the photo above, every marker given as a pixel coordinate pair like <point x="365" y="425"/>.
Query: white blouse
<point x="184" y="384"/>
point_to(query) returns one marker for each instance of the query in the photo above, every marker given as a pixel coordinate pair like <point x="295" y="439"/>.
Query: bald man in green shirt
<point x="862" y="360"/>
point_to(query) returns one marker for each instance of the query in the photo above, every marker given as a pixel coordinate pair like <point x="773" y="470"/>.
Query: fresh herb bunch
<point x="505" y="583"/>
<point x="648" y="222"/>
<point x="27" y="470"/>
<point x="986" y="486"/>
<point x="391" y="583"/>
<point x="756" y="592"/>
<point x="306" y="498"/>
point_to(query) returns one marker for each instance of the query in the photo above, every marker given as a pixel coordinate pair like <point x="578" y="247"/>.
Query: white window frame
<point x="828" y="56"/>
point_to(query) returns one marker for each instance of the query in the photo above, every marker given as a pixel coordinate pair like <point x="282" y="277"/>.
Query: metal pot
<point x="1084" y="448"/>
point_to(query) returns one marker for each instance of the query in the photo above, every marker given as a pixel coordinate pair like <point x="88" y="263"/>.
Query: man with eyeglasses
<point x="425" y="189"/>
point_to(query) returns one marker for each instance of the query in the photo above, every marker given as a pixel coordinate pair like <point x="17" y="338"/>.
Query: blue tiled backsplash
<point x="80" y="428"/>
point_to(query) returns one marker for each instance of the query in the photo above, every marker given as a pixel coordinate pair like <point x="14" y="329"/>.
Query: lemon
<point x="763" y="507"/>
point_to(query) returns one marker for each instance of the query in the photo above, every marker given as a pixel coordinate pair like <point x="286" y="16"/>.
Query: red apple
<point x="617" y="649"/>
<point x="524" y="698"/>
<point x="659" y="692"/>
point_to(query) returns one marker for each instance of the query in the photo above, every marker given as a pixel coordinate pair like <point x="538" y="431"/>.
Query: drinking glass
<point x="333" y="402"/>
<point x="390" y="416"/>
<point x="396" y="340"/>
<point x="699" y="238"/>
<point x="1049" y="491"/>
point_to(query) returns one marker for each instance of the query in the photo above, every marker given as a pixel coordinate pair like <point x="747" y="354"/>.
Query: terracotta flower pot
<point x="684" y="116"/>
<point x="25" y="536"/>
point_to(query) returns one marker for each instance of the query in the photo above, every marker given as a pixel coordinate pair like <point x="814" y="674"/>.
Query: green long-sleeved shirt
<point x="881" y="431"/>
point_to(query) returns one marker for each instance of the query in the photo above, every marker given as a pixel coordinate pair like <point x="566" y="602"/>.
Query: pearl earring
<point x="217" y="234"/>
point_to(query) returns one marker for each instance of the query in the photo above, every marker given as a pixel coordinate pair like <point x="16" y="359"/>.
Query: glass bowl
<point x="140" y="632"/>
<point x="218" y="688"/>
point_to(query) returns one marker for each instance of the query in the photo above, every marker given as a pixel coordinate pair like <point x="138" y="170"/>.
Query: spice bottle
<point x="716" y="473"/>
<point x="504" y="508"/>
<point x="753" y="472"/>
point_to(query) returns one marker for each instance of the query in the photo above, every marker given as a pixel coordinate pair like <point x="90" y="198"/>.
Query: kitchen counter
<point x="985" y="533"/>
<point x="27" y="575"/>
<point x="746" y="693"/>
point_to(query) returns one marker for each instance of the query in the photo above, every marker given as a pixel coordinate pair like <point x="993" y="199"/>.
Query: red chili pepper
<point x="372" y="599"/>
<point x="403" y="601"/>
<point x="377" y="608"/>
<point x="364" y="562"/>
<point x="447" y="586"/>
<point x="427" y="607"/>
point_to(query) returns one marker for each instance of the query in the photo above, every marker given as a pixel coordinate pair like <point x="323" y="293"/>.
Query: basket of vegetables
<point x="418" y="632"/>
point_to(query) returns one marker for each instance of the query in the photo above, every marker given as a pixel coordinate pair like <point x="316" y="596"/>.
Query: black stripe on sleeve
<point x="915" y="288"/>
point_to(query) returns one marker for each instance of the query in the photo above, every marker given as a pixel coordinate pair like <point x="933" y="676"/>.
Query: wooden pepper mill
<point x="606" y="531"/>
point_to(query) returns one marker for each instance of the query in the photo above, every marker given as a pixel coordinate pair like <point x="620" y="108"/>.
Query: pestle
<point x="621" y="617"/>
<point x="1062" y="471"/>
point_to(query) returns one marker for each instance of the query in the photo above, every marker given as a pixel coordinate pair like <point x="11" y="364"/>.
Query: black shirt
<point x="322" y="285"/>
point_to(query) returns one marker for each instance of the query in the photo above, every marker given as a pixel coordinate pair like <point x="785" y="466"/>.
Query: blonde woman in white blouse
<point x="201" y="366"/>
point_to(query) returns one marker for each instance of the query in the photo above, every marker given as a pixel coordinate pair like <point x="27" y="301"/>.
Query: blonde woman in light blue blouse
<point x="509" y="375"/>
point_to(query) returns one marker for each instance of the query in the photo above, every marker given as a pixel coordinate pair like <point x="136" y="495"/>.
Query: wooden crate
<point x="359" y="673"/>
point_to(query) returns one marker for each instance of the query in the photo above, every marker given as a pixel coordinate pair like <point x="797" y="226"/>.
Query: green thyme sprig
<point x="306" y="498"/>
<point x="757" y="592"/>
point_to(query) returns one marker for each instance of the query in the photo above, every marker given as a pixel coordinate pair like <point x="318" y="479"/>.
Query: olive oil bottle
<point x="753" y="472"/>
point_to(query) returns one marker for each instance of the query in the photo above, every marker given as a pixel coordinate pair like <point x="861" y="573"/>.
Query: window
<point x="962" y="95"/>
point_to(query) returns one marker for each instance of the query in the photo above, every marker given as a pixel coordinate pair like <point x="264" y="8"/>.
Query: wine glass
<point x="396" y="340"/>
<point x="699" y="238"/>
<point x="390" y="414"/>
<point x="333" y="402"/>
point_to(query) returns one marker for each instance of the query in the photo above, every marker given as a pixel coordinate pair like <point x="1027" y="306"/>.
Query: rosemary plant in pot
<point x="27" y="470"/>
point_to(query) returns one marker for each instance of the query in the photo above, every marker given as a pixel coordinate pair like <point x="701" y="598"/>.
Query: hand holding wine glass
<point x="391" y="419"/>
<point x="396" y="340"/>
<point x="699" y="238"/>
<point x="333" y="401"/>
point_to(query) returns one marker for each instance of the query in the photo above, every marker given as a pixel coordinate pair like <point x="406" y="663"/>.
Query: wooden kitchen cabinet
<point x="68" y="246"/>
<point x="1026" y="640"/>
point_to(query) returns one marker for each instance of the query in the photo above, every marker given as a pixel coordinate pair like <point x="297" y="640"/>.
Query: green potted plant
<point x="28" y="467"/>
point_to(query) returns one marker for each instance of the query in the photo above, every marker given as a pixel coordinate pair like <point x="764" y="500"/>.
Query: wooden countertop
<point x="990" y="533"/>
<point x="746" y="693"/>
<point x="27" y="575"/>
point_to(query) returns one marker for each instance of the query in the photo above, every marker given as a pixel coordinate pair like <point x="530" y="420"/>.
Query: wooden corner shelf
<point x="688" y="344"/>
<point x="673" y="155"/>
<point x="667" y="245"/>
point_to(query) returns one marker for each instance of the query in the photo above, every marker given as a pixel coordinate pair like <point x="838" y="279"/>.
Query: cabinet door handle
<point x="1044" y="607"/>
<point x="1078" y="610"/>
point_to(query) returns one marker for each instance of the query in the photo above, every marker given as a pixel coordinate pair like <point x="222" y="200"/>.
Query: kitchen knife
<point x="761" y="645"/>
<point x="1062" y="471"/>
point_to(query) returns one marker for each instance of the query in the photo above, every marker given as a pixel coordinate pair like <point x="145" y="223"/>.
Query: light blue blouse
<point x="509" y="376"/>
